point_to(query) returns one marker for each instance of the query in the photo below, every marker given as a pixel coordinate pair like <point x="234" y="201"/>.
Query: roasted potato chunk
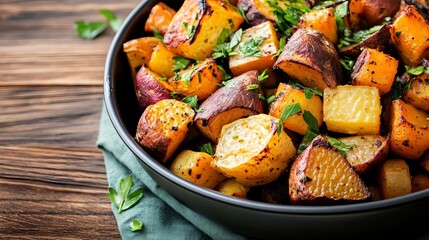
<point x="196" y="27"/>
<point x="200" y="80"/>
<point x="149" y="88"/>
<point x="251" y="151"/>
<point x="409" y="130"/>
<point x="352" y="110"/>
<point x="394" y="178"/>
<point x="410" y="33"/>
<point x="232" y="188"/>
<point x="356" y="9"/>
<point x="376" y="69"/>
<point x="139" y="52"/>
<point x="418" y="93"/>
<point x="162" y="61"/>
<point x="159" y="18"/>
<point x="322" y="20"/>
<point x="321" y="174"/>
<point x="287" y="95"/>
<point x="419" y="182"/>
<point x="258" y="11"/>
<point x="228" y="104"/>
<point x="424" y="161"/>
<point x="375" y="11"/>
<point x="163" y="126"/>
<point x="369" y="151"/>
<point x="242" y="62"/>
<point x="310" y="58"/>
<point x="195" y="167"/>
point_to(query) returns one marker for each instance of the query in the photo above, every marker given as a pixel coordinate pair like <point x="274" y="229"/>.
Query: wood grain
<point x="52" y="177"/>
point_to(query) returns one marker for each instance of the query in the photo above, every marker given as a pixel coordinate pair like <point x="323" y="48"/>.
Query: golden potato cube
<point x="231" y="187"/>
<point x="394" y="178"/>
<point x="410" y="33"/>
<point x="409" y="130"/>
<point x="352" y="110"/>
<point x="195" y="167"/>
<point x="162" y="61"/>
<point x="287" y="95"/>
<point x="196" y="27"/>
<point x="240" y="64"/>
<point x="139" y="52"/>
<point x="159" y="18"/>
<point x="200" y="80"/>
<point x="322" y="20"/>
<point x="418" y="93"/>
<point x="375" y="69"/>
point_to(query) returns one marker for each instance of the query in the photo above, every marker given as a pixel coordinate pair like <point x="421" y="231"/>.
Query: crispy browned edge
<point x="378" y="41"/>
<point x="375" y="11"/>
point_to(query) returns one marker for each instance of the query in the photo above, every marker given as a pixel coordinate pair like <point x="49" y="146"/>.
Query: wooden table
<point x="52" y="177"/>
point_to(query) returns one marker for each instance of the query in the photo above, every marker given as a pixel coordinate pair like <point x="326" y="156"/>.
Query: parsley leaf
<point x="174" y="94"/>
<point x="308" y="92"/>
<point x="347" y="63"/>
<point x="308" y="137"/>
<point x="252" y="87"/>
<point x="180" y="63"/>
<point x="311" y="121"/>
<point x="114" y="22"/>
<point x="263" y="76"/>
<point x="229" y="83"/>
<point x="207" y="148"/>
<point x="241" y="11"/>
<point x="89" y="30"/>
<point x="340" y="12"/>
<point x="223" y="48"/>
<point x="415" y="70"/>
<point x="270" y="99"/>
<point x="289" y="17"/>
<point x="288" y="112"/>
<point x="157" y="34"/>
<point x="282" y="44"/>
<point x="192" y="101"/>
<point x="225" y="75"/>
<point x="136" y="225"/>
<point x="250" y="47"/>
<point x="340" y="146"/>
<point x="122" y="198"/>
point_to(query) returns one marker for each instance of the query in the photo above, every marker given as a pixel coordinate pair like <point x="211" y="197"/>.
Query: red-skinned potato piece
<point x="229" y="103"/>
<point x="148" y="88"/>
<point x="375" y="11"/>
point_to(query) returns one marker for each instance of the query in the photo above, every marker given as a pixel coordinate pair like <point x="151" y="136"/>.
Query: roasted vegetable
<point x="352" y="110"/>
<point x="424" y="161"/>
<point x="231" y="187"/>
<point x="409" y="130"/>
<point x="195" y="167"/>
<point x="394" y="178"/>
<point x="419" y="182"/>
<point x="229" y="103"/>
<point x="356" y="9"/>
<point x="256" y="50"/>
<point x="196" y="27"/>
<point x="375" y="11"/>
<point x="368" y="151"/>
<point x="310" y="58"/>
<point x="258" y="11"/>
<point x="287" y="95"/>
<point x="376" y="69"/>
<point x="251" y="151"/>
<point x="162" y="61"/>
<point x="410" y="33"/>
<point x="321" y="174"/>
<point x="163" y="126"/>
<point x="418" y="93"/>
<point x="159" y="18"/>
<point x="148" y="87"/>
<point x="139" y="52"/>
<point x="322" y="20"/>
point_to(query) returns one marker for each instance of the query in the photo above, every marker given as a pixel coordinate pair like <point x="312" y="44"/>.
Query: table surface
<point x="52" y="177"/>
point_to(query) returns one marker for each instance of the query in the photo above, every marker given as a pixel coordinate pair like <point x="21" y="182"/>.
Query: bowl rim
<point x="114" y="116"/>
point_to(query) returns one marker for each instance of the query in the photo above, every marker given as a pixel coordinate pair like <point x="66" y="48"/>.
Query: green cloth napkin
<point x="162" y="215"/>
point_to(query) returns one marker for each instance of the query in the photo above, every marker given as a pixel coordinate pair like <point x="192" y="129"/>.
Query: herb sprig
<point x="136" y="225"/>
<point x="308" y="92"/>
<point x="91" y="30"/>
<point x="207" y="148"/>
<point x="288" y="17"/>
<point x="288" y="112"/>
<point x="122" y="198"/>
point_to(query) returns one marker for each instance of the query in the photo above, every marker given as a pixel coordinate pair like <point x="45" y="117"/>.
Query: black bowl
<point x="405" y="214"/>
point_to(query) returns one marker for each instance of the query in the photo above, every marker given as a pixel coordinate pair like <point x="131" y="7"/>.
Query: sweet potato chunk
<point x="356" y="9"/>
<point x="228" y="104"/>
<point x="163" y="126"/>
<point x="161" y="61"/>
<point x="376" y="69"/>
<point x="258" y="11"/>
<point x="418" y="94"/>
<point x="369" y="151"/>
<point x="200" y="80"/>
<point x="409" y="130"/>
<point x="231" y="187"/>
<point x="310" y="58"/>
<point x="196" y="27"/>
<point x="394" y="178"/>
<point x="240" y="63"/>
<point x="287" y="95"/>
<point x="149" y="88"/>
<point x="139" y="52"/>
<point x="375" y="11"/>
<point x="159" y="18"/>
<point x="251" y="151"/>
<point x="410" y="33"/>
<point x="322" y="20"/>
<point x="321" y="174"/>
<point x="352" y="110"/>
<point x="195" y="167"/>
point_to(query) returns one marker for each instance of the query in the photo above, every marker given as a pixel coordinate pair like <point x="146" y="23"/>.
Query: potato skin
<point x="375" y="11"/>
<point x="148" y="89"/>
<point x="253" y="15"/>
<point x="139" y="52"/>
<point x="418" y="94"/>
<point x="312" y="50"/>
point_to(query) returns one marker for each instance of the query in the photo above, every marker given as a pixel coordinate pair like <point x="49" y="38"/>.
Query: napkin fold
<point x="162" y="215"/>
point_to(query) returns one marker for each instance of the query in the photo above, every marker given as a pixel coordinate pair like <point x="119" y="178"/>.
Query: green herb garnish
<point x="241" y="11"/>
<point x="157" y="34"/>
<point x="263" y="75"/>
<point x="192" y="101"/>
<point x="398" y="33"/>
<point x="136" y="225"/>
<point x="114" y="22"/>
<point x="252" y="87"/>
<point x="271" y="99"/>
<point x="251" y="47"/>
<point x="340" y="146"/>
<point x="415" y="71"/>
<point x="225" y="75"/>
<point x="282" y="44"/>
<point x="207" y="148"/>
<point x="89" y="30"/>
<point x="289" y="17"/>
<point x="305" y="179"/>
<point x="122" y="198"/>
<point x="347" y="63"/>
<point x="223" y="48"/>
<point x="180" y="63"/>
<point x="288" y="112"/>
<point x="312" y="132"/>
<point x="308" y="92"/>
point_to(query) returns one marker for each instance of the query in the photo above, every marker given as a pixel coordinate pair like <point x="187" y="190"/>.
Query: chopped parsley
<point x="288" y="112"/>
<point x="180" y="63"/>
<point x="251" y="47"/>
<point x="241" y="11"/>
<point x="224" y="48"/>
<point x="312" y="132"/>
<point x="347" y="63"/>
<point x="340" y="146"/>
<point x="157" y="34"/>
<point x="289" y="17"/>
<point x="263" y="76"/>
<point x="308" y="92"/>
<point x="207" y="148"/>
<point x="252" y="87"/>
<point x="282" y="44"/>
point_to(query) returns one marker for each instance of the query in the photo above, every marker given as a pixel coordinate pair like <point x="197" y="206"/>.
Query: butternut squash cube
<point x="196" y="27"/>
<point x="287" y="95"/>
<point x="410" y="33"/>
<point x="376" y="69"/>
<point x="260" y="61"/>
<point x="322" y="20"/>
<point x="352" y="110"/>
<point x="418" y="93"/>
<point x="200" y="80"/>
<point x="159" y="18"/>
<point x="161" y="61"/>
<point x="409" y="130"/>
